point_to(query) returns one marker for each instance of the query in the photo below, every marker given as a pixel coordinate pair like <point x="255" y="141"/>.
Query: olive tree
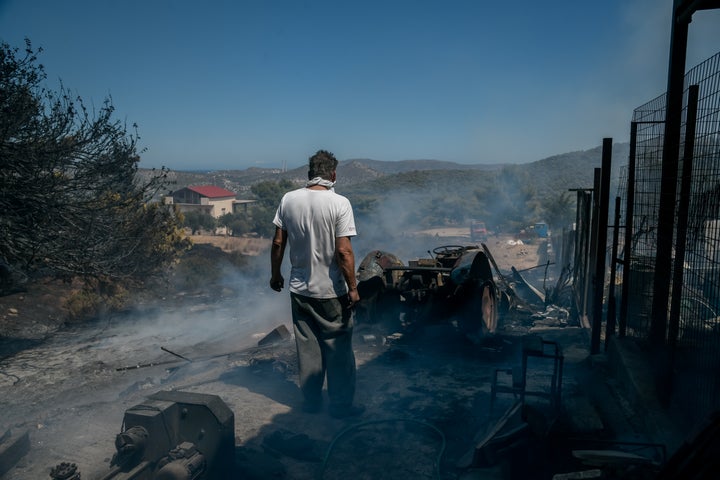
<point x="197" y="221"/>
<point x="268" y="195"/>
<point x="71" y="198"/>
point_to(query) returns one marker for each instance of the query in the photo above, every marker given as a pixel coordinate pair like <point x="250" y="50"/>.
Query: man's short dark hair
<point x="322" y="165"/>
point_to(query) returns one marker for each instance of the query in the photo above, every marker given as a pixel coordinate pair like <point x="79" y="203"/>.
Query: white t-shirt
<point x="313" y="219"/>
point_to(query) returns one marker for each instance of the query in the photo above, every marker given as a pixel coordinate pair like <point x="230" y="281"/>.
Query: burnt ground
<point x="426" y="393"/>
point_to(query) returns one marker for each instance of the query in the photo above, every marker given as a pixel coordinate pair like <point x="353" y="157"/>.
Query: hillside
<point x="567" y="170"/>
<point x="401" y="166"/>
<point x="574" y="169"/>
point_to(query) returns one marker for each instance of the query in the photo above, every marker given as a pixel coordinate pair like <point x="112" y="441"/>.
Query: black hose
<point x="389" y="420"/>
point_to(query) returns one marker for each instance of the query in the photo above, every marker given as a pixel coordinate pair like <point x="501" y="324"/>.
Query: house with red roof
<point x="209" y="199"/>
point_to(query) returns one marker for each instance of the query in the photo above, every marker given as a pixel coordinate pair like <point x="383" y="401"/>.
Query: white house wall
<point x="221" y="207"/>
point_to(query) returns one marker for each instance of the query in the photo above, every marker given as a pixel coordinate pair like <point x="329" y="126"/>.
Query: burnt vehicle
<point x="455" y="284"/>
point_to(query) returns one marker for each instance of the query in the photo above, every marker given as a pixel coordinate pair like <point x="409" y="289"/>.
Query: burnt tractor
<point x="455" y="284"/>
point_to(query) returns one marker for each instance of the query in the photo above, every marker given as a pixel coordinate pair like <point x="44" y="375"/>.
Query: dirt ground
<point x="427" y="393"/>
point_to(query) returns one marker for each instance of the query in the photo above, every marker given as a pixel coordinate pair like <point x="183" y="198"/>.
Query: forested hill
<point x="352" y="172"/>
<point x="567" y="170"/>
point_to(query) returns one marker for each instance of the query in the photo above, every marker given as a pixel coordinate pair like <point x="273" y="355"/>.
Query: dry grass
<point x="243" y="245"/>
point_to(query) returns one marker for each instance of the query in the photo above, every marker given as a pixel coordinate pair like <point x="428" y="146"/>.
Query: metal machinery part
<point x="183" y="462"/>
<point x="65" y="471"/>
<point x="171" y="436"/>
<point x="457" y="282"/>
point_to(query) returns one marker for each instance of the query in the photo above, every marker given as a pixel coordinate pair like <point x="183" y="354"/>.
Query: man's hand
<point x="277" y="250"/>
<point x="353" y="297"/>
<point x="277" y="283"/>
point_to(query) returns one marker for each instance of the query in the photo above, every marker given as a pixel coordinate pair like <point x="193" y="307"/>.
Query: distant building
<point x="209" y="199"/>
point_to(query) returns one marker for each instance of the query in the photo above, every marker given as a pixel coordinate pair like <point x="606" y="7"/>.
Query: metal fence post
<point x="611" y="310"/>
<point x="627" y="252"/>
<point x="600" y="260"/>
<point x="668" y="191"/>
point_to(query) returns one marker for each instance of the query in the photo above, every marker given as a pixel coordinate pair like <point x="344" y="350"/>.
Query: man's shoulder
<point x="341" y="200"/>
<point x="295" y="193"/>
<point x="340" y="195"/>
<point x="327" y="196"/>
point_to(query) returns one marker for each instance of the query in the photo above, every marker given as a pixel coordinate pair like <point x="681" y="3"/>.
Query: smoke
<point x="230" y="313"/>
<point x="403" y="220"/>
<point x="391" y="227"/>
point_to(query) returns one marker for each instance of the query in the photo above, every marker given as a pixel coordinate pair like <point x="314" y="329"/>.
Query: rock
<point x="277" y="335"/>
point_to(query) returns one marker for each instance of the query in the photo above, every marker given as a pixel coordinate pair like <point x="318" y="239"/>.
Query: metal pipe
<point x="144" y="365"/>
<point x="176" y="354"/>
<point x="536" y="266"/>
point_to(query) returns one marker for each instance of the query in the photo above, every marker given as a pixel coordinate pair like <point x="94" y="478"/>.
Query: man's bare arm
<point x="277" y="252"/>
<point x="346" y="261"/>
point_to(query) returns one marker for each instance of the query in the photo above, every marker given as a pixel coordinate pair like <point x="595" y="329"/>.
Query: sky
<point x="266" y="83"/>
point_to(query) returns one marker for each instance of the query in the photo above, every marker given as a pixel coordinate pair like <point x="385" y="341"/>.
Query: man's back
<point x="313" y="219"/>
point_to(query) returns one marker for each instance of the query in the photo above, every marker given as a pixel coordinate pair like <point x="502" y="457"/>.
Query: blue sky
<point x="236" y="84"/>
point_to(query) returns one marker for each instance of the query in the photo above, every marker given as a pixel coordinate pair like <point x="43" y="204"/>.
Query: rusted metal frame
<point x="500" y="275"/>
<point x="682" y="215"/>
<point x="557" y="357"/>
<point x="508" y="288"/>
<point x="669" y="180"/>
<point x="600" y="256"/>
<point x="519" y="278"/>
<point x="611" y="310"/>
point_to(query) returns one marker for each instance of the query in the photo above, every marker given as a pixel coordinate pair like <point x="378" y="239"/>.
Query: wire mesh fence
<point x="699" y="307"/>
<point x="693" y="332"/>
<point x="648" y="138"/>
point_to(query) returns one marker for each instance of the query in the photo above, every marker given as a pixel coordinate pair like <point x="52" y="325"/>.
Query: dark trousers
<point x="323" y="335"/>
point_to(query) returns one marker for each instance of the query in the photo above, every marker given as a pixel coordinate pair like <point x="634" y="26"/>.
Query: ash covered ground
<point x="427" y="394"/>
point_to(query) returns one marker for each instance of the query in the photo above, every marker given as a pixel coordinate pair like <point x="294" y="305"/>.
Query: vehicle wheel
<point x="481" y="315"/>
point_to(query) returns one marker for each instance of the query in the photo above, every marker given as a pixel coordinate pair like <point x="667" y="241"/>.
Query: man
<point x="317" y="224"/>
